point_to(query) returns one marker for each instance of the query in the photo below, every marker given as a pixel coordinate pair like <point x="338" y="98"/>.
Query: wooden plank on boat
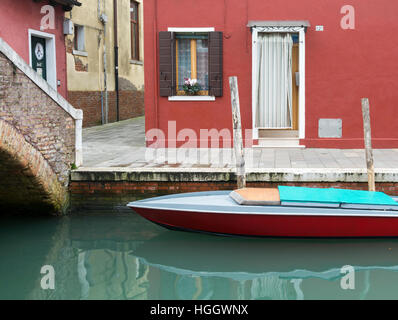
<point x="256" y="196"/>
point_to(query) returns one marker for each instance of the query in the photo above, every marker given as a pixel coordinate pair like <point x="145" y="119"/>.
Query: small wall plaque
<point x="330" y="128"/>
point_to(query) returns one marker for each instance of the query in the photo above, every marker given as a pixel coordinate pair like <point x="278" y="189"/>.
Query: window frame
<point x="300" y="28"/>
<point x="194" y="74"/>
<point x="51" y="57"/>
<point x="179" y="96"/>
<point x="79" y="40"/>
<point x="134" y="36"/>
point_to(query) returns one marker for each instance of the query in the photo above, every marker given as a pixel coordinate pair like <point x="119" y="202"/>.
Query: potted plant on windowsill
<point x="191" y="87"/>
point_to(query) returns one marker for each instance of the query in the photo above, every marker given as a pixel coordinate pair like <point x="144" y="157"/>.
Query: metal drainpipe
<point x="103" y="19"/>
<point x="99" y="80"/>
<point x="105" y="78"/>
<point x="99" y="62"/>
<point x="116" y="41"/>
<point x="156" y="78"/>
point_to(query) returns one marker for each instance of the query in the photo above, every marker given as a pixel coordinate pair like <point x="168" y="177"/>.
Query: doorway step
<point x="278" y="139"/>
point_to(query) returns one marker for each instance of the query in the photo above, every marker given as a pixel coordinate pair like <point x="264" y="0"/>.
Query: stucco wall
<point x="17" y="17"/>
<point x="86" y="72"/>
<point x="342" y="66"/>
<point x="92" y="80"/>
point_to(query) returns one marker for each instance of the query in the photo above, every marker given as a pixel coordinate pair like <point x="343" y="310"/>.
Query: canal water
<point x="112" y="253"/>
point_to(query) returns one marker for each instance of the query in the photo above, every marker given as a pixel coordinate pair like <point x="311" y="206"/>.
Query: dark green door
<point x="39" y="56"/>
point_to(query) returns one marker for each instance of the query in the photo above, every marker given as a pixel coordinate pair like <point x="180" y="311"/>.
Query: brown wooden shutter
<point x="215" y="63"/>
<point x="166" y="64"/>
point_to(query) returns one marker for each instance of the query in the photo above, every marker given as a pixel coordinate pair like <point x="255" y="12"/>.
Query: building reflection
<point x="175" y="265"/>
<point x="127" y="258"/>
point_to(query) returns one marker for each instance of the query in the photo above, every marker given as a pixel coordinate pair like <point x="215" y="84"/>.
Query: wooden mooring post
<point x="368" y="144"/>
<point x="237" y="127"/>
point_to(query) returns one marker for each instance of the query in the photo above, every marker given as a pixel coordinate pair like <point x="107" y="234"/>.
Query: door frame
<point x="301" y="99"/>
<point x="51" y="59"/>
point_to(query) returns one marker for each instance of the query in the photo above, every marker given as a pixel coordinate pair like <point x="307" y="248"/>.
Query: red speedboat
<point x="282" y="212"/>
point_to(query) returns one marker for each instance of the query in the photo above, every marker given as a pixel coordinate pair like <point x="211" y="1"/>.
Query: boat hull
<point x="274" y="225"/>
<point x="215" y="212"/>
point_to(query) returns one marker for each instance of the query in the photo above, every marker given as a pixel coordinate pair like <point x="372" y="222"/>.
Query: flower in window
<point x="191" y="87"/>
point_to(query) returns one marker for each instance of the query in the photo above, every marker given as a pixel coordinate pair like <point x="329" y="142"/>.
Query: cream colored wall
<point x="127" y="68"/>
<point x="103" y="286"/>
<point x="93" y="80"/>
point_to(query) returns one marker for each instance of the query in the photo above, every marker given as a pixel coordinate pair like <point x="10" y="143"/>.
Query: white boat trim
<point x="391" y="214"/>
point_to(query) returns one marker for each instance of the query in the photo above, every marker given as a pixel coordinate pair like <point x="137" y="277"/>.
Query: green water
<point x="115" y="254"/>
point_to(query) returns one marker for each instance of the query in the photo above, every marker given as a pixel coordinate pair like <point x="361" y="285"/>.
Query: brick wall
<point x="28" y="183"/>
<point x="131" y="104"/>
<point x="160" y="187"/>
<point x="37" y="146"/>
<point x="42" y="122"/>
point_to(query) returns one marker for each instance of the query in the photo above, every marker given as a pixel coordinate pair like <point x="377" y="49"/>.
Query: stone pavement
<point x="122" y="145"/>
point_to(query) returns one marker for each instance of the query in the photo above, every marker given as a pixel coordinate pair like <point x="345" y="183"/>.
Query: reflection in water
<point x="122" y="256"/>
<point x="271" y="268"/>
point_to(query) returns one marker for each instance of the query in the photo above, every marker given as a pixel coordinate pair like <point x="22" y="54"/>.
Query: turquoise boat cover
<point x="332" y="195"/>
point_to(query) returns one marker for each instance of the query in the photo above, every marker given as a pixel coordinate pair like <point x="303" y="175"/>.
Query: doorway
<point x="277" y="87"/>
<point x="278" y="92"/>
<point x="42" y="55"/>
<point x="38" y="56"/>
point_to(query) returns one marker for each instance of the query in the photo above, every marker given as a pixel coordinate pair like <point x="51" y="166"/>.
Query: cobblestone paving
<point x="122" y="144"/>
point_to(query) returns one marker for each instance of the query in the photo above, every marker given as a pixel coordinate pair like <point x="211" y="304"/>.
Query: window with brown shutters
<point x="166" y="63"/>
<point x="215" y="63"/>
<point x="189" y="56"/>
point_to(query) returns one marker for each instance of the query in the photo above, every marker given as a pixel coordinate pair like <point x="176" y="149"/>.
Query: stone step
<point x="279" y="143"/>
<point x="269" y="133"/>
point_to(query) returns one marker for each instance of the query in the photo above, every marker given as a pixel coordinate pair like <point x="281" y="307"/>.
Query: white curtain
<point x="274" y="80"/>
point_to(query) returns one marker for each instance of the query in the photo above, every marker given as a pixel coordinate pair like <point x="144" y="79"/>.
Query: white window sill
<point x="140" y="63"/>
<point x="192" y="98"/>
<point x="80" y="53"/>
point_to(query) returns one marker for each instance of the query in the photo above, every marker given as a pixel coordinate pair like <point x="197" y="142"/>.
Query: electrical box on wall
<point x="330" y="128"/>
<point x="69" y="27"/>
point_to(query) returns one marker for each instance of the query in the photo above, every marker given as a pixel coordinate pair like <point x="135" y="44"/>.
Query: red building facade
<point x="34" y="29"/>
<point x="302" y="69"/>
